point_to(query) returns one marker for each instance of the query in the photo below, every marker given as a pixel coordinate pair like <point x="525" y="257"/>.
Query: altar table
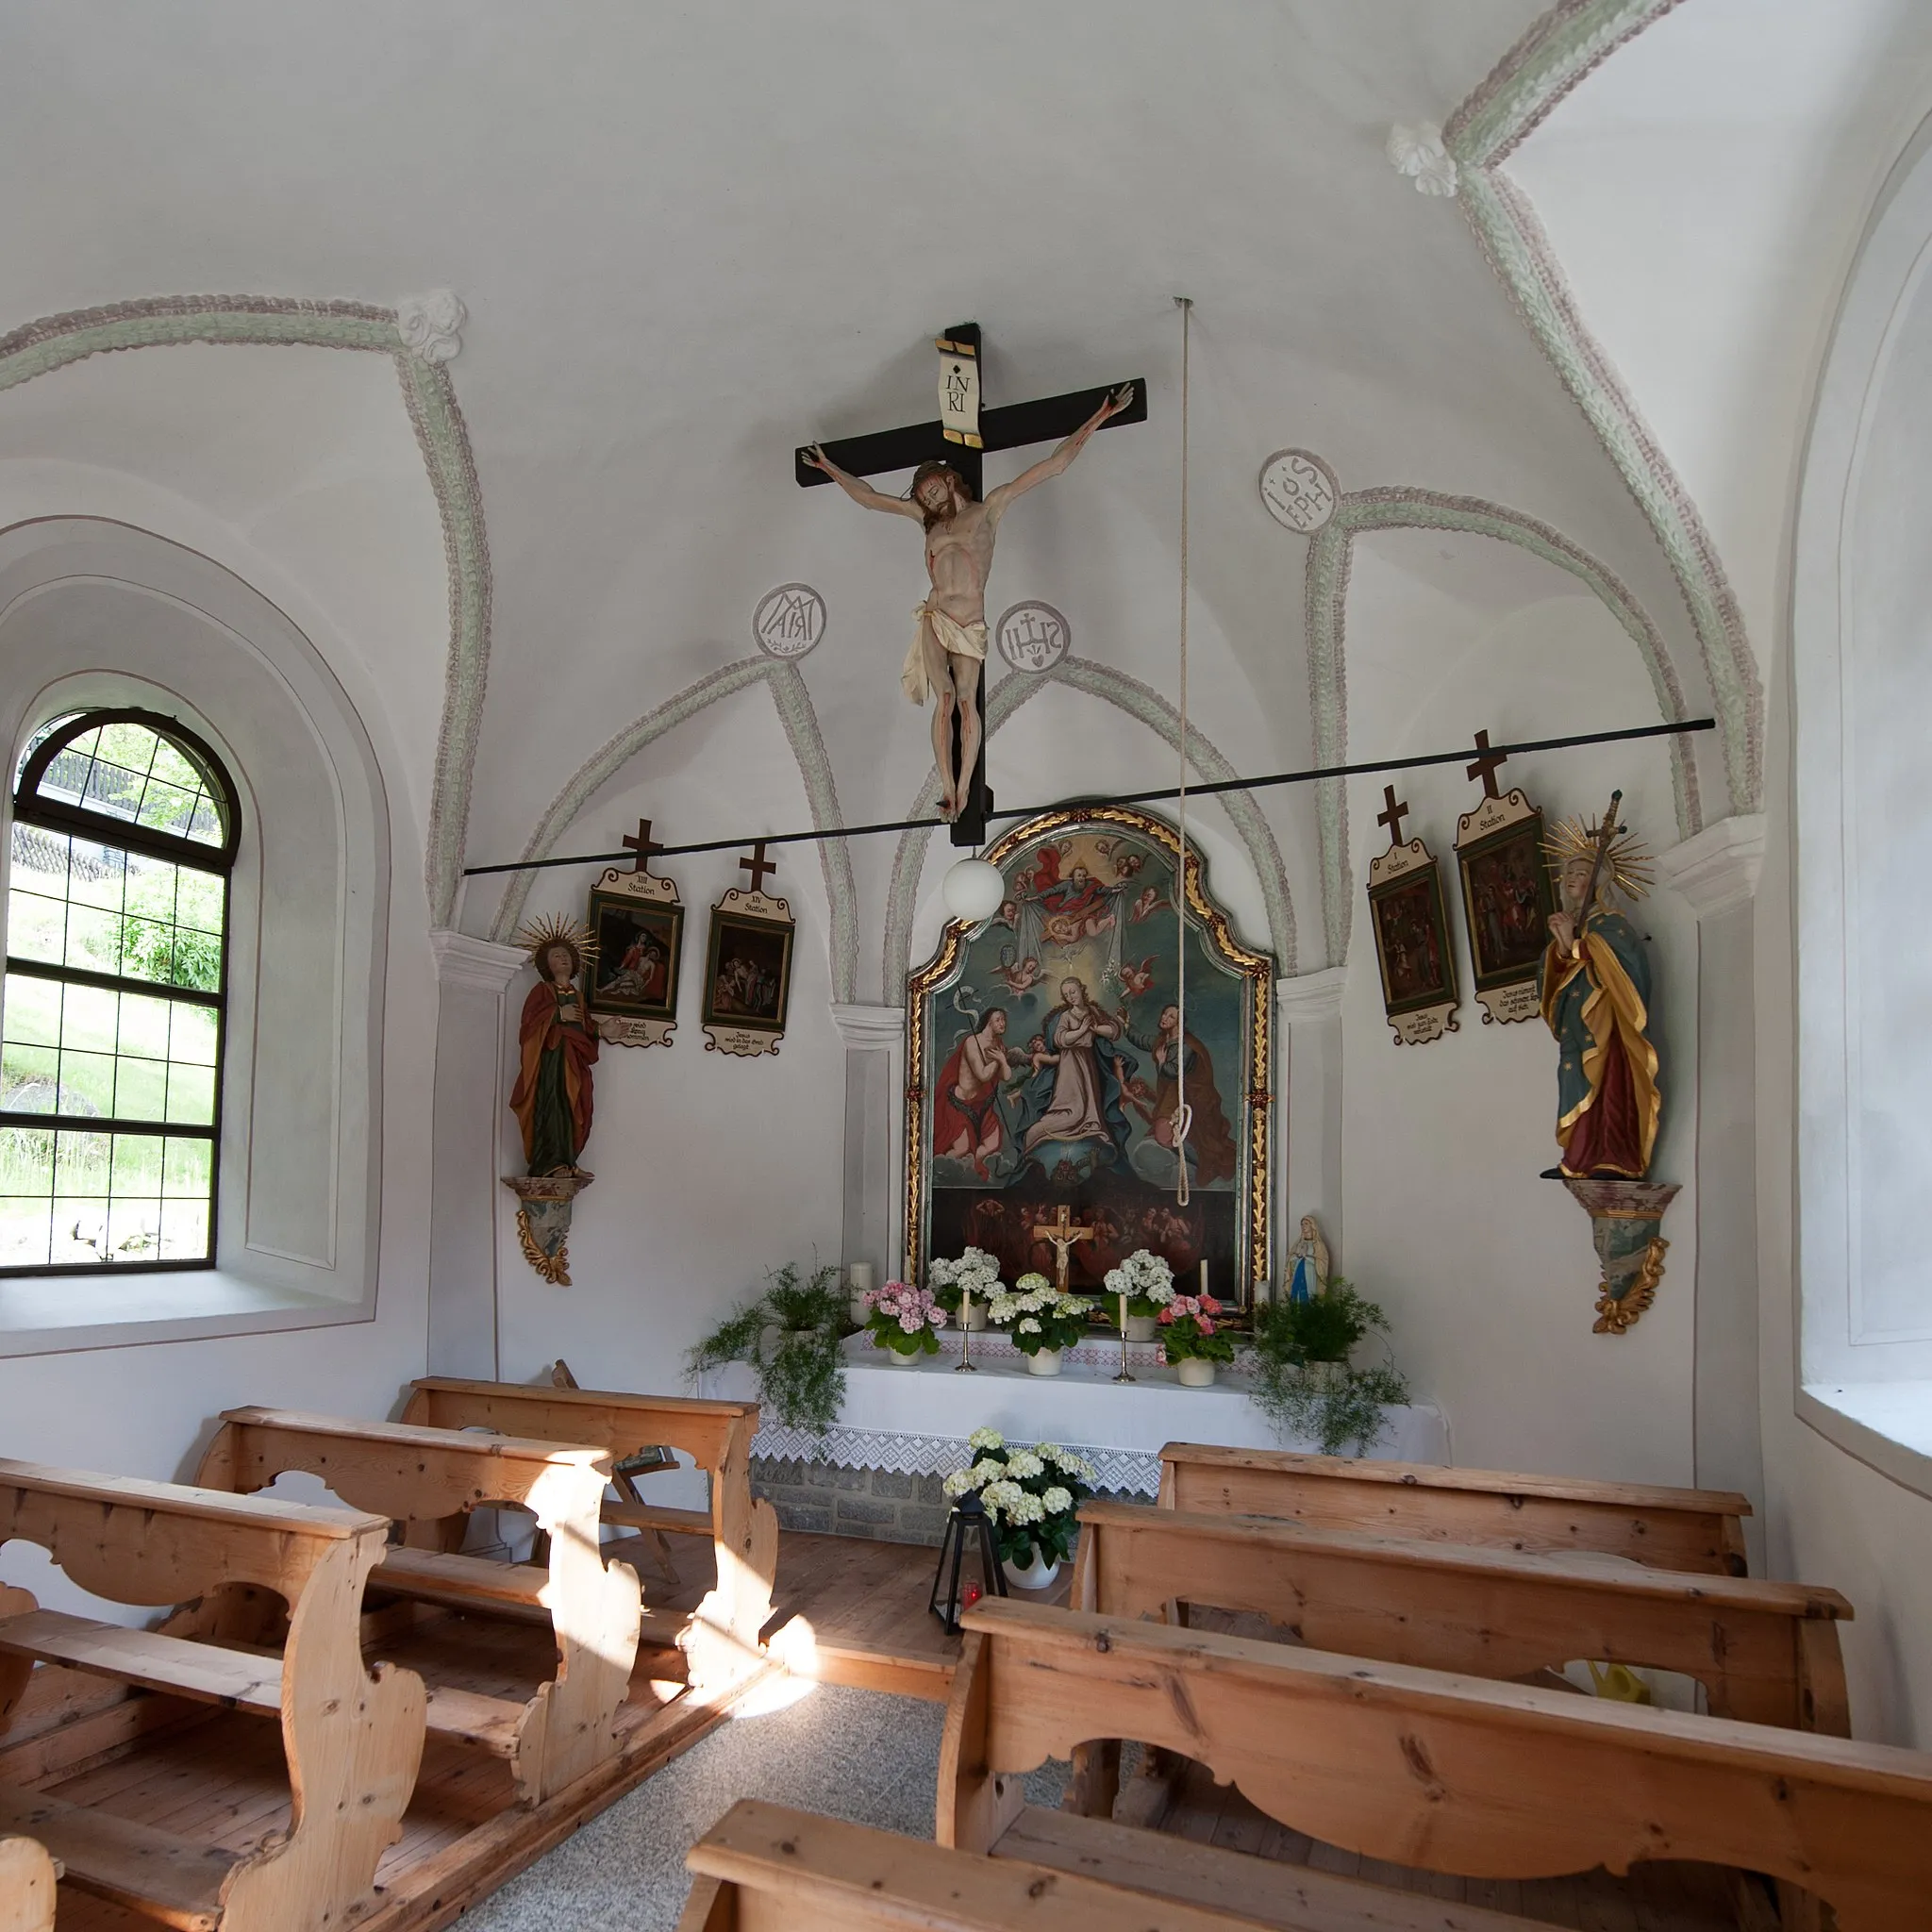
<point x="915" y="1421"/>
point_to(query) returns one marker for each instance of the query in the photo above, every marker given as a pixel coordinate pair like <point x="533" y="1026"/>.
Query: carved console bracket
<point x="543" y="1210"/>
<point x="1625" y="1217"/>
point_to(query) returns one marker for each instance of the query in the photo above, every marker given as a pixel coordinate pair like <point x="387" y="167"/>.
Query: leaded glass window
<point x="114" y="1005"/>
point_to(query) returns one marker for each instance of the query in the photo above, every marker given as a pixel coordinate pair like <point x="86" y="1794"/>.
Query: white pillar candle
<point x="858" y="1276"/>
<point x="1204" y="1276"/>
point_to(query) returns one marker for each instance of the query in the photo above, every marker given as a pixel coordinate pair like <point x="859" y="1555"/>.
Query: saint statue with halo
<point x="552" y="1098"/>
<point x="1596" y="984"/>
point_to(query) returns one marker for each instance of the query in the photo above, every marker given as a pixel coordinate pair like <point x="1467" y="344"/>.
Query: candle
<point x="1204" y="1274"/>
<point x="858" y="1280"/>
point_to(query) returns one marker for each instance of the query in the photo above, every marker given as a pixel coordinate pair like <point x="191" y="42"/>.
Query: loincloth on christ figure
<point x="955" y="639"/>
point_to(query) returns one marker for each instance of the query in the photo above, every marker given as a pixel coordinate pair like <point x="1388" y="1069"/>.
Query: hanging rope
<point x="1183" y="1113"/>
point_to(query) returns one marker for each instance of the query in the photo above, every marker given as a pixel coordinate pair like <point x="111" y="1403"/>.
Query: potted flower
<point x="969" y="1284"/>
<point x="1033" y="1497"/>
<point x="1041" y="1320"/>
<point x="1193" y="1340"/>
<point x="1304" y="1382"/>
<point x="790" y="1337"/>
<point x="1142" y="1286"/>
<point x="902" y="1321"/>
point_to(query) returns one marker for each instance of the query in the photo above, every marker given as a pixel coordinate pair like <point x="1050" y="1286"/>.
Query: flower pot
<point x="1045" y="1361"/>
<point x="898" y="1360"/>
<point x="1194" y="1373"/>
<point x="1144" y="1327"/>
<point x="1037" y="1574"/>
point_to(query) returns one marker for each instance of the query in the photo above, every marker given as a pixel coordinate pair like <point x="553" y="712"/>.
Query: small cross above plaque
<point x="1392" y="814"/>
<point x="757" y="865"/>
<point x="1486" y="765"/>
<point x="643" y="845"/>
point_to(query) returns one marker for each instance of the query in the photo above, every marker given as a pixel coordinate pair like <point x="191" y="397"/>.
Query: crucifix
<point x="1060" y="1236"/>
<point x="645" y="846"/>
<point x="1392" y="815"/>
<point x="757" y="865"/>
<point x="1486" y="765"/>
<point x="953" y="626"/>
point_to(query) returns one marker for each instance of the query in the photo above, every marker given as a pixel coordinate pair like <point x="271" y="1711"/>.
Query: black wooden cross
<point x="1486" y="765"/>
<point x="757" y="865"/>
<point x="1014" y="426"/>
<point x="643" y="845"/>
<point x="1394" y="816"/>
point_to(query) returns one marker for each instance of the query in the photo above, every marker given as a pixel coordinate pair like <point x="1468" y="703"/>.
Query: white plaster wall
<point x="1486" y="1270"/>
<point x="711" y="1169"/>
<point x="1703" y="191"/>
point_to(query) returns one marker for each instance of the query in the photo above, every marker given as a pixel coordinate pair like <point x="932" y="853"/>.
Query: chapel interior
<point x="1151" y="1212"/>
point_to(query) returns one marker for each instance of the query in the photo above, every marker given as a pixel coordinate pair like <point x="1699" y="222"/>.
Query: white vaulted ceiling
<point x="691" y="236"/>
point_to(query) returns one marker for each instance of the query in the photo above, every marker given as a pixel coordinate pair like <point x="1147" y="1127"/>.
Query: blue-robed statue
<point x="1075" y="1094"/>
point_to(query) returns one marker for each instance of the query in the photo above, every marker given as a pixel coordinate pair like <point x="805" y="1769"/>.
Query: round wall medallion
<point x="789" y="621"/>
<point x="1299" y="489"/>
<point x="1033" y="637"/>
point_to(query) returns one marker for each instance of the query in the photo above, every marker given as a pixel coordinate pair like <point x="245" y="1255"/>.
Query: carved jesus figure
<point x="949" y="643"/>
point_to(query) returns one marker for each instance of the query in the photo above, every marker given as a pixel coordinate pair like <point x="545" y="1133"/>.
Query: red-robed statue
<point x="552" y="1098"/>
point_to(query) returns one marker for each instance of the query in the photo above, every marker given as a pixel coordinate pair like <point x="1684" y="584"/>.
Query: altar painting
<point x="1045" y="1059"/>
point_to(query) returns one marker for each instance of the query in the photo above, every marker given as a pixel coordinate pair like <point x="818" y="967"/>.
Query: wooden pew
<point x="721" y="1641"/>
<point x="1765" y="1652"/>
<point x="763" y="1868"/>
<point x="422" y="1476"/>
<point x="354" y="1738"/>
<point x="27" y="1878"/>
<point x="1426" y="1769"/>
<point x="1670" y="1529"/>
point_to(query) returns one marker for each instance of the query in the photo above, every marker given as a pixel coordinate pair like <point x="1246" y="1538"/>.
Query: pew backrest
<point x="1424" y="1768"/>
<point x="717" y="1436"/>
<point x="765" y="1868"/>
<point x="1766" y="1653"/>
<point x="420" y="1476"/>
<point x="353" y="1739"/>
<point x="27" y="1881"/>
<point x="1667" y="1528"/>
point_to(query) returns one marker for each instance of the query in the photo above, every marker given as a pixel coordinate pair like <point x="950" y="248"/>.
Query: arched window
<point x="111" y="1023"/>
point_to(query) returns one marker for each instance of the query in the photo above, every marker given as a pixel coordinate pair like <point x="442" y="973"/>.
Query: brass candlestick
<point x="962" y="1367"/>
<point x="1124" y="1375"/>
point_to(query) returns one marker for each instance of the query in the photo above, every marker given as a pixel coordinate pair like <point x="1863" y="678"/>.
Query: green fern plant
<point x="1299" y="1347"/>
<point x="789" y="1335"/>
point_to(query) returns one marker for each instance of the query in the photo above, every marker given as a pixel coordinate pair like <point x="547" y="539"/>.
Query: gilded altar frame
<point x="1255" y="1095"/>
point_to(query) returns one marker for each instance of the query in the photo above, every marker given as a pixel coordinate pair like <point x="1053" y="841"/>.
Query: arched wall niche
<point x="94" y="612"/>
<point x="1861" y="687"/>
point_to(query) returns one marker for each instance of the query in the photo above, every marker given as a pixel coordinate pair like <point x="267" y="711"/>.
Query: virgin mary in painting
<point x="552" y="1098"/>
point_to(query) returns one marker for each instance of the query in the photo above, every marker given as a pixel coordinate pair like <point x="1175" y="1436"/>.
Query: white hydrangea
<point x="1067" y="1460"/>
<point x="1025" y="1508"/>
<point x="1022" y="1463"/>
<point x="986" y="1439"/>
<point x="960" y="1482"/>
<point x="1000" y="1497"/>
<point x="1058" y="1501"/>
<point x="987" y="1470"/>
<point x="1029" y="1326"/>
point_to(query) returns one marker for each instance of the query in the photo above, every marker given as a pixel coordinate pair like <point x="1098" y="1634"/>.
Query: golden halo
<point x="555" y="929"/>
<point x="1627" y="866"/>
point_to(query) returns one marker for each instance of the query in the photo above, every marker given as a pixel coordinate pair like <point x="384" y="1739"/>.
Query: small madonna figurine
<point x="1308" y="1275"/>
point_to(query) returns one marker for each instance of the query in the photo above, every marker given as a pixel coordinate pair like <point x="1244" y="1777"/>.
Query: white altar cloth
<point x="915" y="1421"/>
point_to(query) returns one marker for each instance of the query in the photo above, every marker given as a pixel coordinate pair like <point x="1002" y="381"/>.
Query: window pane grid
<point x="127" y="771"/>
<point x="109" y="1076"/>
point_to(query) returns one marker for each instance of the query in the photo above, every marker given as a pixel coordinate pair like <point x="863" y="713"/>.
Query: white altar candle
<point x="858" y="1280"/>
<point x="1204" y="1276"/>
